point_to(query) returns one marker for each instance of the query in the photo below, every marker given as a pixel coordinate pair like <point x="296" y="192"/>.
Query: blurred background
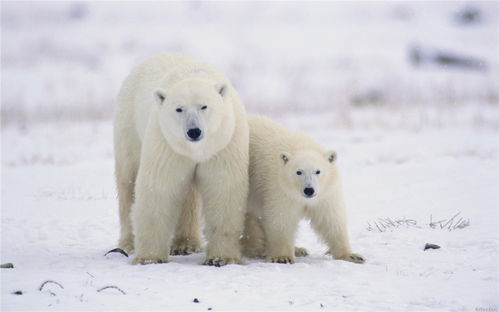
<point x="366" y="64"/>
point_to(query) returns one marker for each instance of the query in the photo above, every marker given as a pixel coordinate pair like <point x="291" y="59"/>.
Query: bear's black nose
<point x="309" y="191"/>
<point x="194" y="133"/>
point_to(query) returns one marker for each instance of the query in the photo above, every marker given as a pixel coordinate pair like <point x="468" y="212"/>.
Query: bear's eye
<point x="179" y="110"/>
<point x="204" y="107"/>
<point x="318" y="172"/>
<point x="298" y="172"/>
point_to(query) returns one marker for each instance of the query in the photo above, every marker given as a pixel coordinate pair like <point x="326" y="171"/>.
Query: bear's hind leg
<point x="126" y="167"/>
<point x="253" y="240"/>
<point x="188" y="231"/>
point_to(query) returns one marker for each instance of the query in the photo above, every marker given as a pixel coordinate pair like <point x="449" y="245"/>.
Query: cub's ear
<point x="160" y="96"/>
<point x="331" y="156"/>
<point x="284" y="157"/>
<point x="221" y="89"/>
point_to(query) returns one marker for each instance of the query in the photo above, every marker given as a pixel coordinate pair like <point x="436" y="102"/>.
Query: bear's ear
<point x="331" y="156"/>
<point x="284" y="157"/>
<point x="221" y="89"/>
<point x="160" y="96"/>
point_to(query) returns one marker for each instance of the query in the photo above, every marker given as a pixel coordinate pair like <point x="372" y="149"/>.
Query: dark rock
<point x="119" y="250"/>
<point x="431" y="246"/>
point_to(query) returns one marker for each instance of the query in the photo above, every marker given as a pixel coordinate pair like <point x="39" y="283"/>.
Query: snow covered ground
<point x="414" y="142"/>
<point x="59" y="217"/>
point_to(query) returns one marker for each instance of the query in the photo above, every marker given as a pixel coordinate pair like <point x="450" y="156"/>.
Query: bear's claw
<point x="143" y="261"/>
<point x="282" y="259"/>
<point x="355" y="258"/>
<point x="218" y="262"/>
<point x="184" y="250"/>
<point x="185" y="246"/>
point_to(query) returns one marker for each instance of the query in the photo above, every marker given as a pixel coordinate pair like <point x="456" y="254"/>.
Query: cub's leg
<point x="254" y="239"/>
<point x="188" y="232"/>
<point x="280" y="223"/>
<point x="330" y="223"/>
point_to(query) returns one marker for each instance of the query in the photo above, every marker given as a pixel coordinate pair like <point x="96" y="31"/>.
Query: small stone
<point x="431" y="246"/>
<point x="195" y="300"/>
<point x="17" y="292"/>
<point x="7" y="266"/>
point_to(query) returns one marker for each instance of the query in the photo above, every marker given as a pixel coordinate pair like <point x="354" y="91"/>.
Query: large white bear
<point x="181" y="139"/>
<point x="291" y="177"/>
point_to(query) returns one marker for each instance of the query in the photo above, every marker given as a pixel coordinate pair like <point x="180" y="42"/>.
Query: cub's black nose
<point x="194" y="133"/>
<point x="309" y="191"/>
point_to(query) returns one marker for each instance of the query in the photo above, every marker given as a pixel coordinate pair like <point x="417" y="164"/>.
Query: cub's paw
<point x="140" y="260"/>
<point x="355" y="258"/>
<point x="282" y="259"/>
<point x="219" y="261"/>
<point x="301" y="252"/>
<point x="185" y="248"/>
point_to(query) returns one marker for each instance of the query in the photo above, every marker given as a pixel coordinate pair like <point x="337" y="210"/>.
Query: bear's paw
<point x="355" y="258"/>
<point x="219" y="261"/>
<point x="185" y="248"/>
<point x="143" y="261"/>
<point x="282" y="259"/>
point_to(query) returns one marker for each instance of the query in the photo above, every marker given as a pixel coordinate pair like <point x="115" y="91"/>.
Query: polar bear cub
<point x="181" y="140"/>
<point x="291" y="177"/>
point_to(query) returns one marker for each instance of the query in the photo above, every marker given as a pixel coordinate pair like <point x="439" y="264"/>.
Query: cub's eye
<point x="318" y="172"/>
<point x="204" y="107"/>
<point x="298" y="172"/>
<point x="179" y="110"/>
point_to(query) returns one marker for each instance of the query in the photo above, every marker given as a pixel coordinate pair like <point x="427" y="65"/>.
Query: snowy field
<point x="59" y="217"/>
<point x="415" y="145"/>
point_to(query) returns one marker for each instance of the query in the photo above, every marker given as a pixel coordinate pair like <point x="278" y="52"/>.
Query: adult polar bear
<point x="181" y="138"/>
<point x="292" y="176"/>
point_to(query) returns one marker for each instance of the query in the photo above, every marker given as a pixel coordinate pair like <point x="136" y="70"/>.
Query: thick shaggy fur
<point x="277" y="201"/>
<point x="163" y="178"/>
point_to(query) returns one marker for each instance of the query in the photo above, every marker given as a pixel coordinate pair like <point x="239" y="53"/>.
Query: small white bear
<point x="181" y="141"/>
<point x="291" y="177"/>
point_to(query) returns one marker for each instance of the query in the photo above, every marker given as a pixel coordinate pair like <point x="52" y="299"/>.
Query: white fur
<point x="277" y="201"/>
<point x="165" y="175"/>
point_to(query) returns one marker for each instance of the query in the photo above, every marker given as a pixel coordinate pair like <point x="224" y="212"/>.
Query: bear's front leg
<point x="224" y="191"/>
<point x="155" y="216"/>
<point x="161" y="189"/>
<point x="280" y="223"/>
<point x="330" y="222"/>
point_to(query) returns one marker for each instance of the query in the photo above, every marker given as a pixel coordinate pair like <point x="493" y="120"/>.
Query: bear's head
<point x="196" y="117"/>
<point x="307" y="175"/>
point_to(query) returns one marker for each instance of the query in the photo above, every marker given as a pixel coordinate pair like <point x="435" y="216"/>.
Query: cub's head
<point x="196" y="117"/>
<point x="307" y="175"/>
